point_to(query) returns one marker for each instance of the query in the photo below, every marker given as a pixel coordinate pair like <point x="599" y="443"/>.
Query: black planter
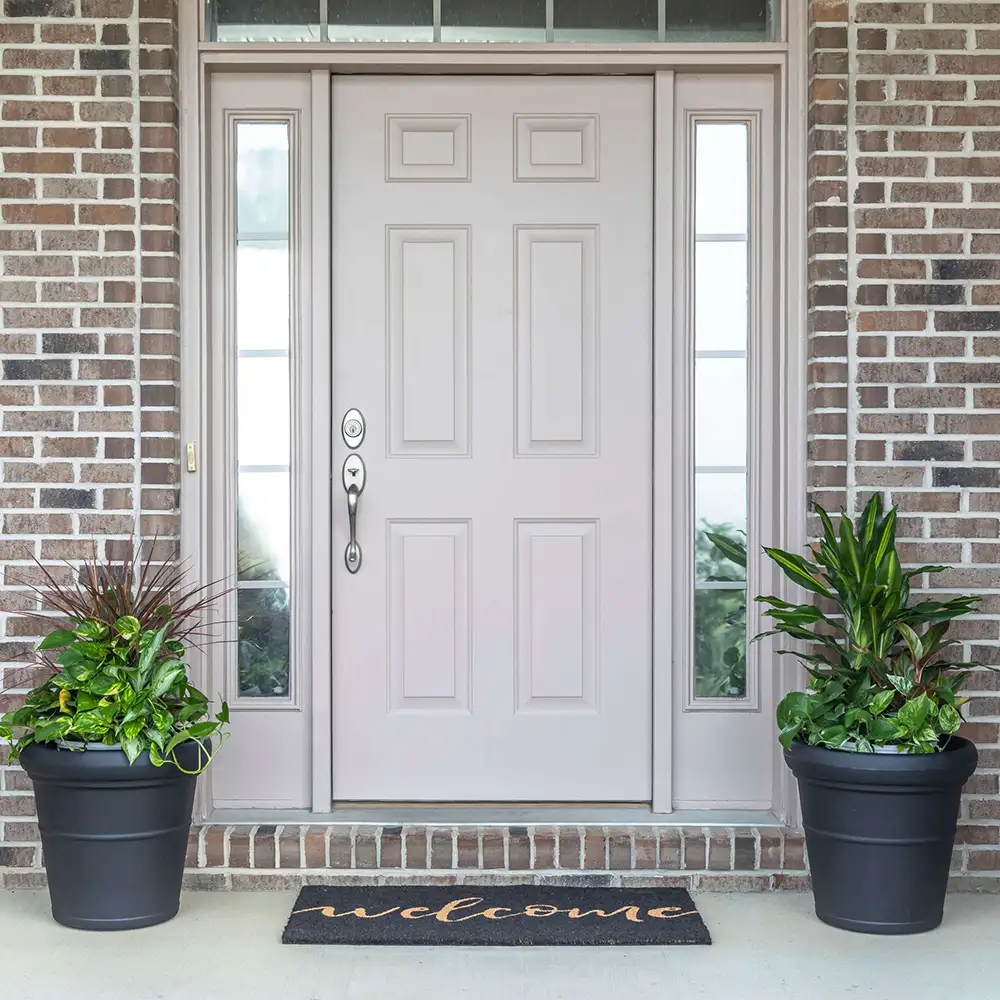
<point x="114" y="835"/>
<point x="880" y="830"/>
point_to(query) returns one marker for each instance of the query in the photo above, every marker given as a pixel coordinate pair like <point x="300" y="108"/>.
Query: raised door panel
<point x="428" y="292"/>
<point x="428" y="617"/>
<point x="557" y="616"/>
<point x="557" y="340"/>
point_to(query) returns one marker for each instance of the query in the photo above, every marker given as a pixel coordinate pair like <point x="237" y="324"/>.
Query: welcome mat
<point x="493" y="915"/>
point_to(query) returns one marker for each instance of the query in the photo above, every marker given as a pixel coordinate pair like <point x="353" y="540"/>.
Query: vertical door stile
<point x="663" y="439"/>
<point x="314" y="409"/>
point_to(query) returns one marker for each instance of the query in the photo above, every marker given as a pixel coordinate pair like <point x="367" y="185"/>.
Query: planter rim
<point x="954" y="764"/>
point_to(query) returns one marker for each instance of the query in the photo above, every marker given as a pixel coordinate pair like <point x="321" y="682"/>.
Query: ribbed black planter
<point x="114" y="835"/>
<point x="880" y="830"/>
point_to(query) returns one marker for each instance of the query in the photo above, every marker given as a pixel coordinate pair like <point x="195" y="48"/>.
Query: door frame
<point x="198" y="60"/>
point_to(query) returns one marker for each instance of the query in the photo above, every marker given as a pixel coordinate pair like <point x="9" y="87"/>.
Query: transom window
<point x="490" y="20"/>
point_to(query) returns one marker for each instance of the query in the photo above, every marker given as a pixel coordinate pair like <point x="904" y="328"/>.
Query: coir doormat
<point x="493" y="915"/>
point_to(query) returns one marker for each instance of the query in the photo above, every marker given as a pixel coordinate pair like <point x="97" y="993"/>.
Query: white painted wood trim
<point x="317" y="362"/>
<point x="789" y="56"/>
<point x="663" y="576"/>
<point x="193" y="502"/>
<point x="793" y="360"/>
<point x="472" y="57"/>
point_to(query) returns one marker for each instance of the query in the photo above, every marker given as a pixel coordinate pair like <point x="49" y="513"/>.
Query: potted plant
<point x="114" y="739"/>
<point x="873" y="742"/>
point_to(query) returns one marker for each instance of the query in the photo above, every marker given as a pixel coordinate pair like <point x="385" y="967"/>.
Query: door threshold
<point x="412" y="814"/>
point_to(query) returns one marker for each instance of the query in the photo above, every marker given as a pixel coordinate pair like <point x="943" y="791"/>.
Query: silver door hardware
<point x="353" y="476"/>
<point x="353" y="428"/>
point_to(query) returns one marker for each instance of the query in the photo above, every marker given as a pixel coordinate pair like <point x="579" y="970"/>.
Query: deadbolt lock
<point x="353" y="428"/>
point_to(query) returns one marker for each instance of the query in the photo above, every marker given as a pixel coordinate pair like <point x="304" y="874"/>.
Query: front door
<point x="492" y="301"/>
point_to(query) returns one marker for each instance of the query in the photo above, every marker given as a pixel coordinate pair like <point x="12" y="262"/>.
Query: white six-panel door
<point x="492" y="261"/>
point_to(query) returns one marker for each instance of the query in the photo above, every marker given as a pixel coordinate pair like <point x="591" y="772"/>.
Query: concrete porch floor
<point x="226" y="945"/>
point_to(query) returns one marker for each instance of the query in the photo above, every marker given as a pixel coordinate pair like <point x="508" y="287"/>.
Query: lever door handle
<point x="353" y="476"/>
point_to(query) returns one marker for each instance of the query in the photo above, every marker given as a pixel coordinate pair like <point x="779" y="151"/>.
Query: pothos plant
<point x="117" y="666"/>
<point x="881" y="669"/>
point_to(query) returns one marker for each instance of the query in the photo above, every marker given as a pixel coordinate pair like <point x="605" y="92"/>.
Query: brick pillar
<point x="924" y="322"/>
<point x="88" y="292"/>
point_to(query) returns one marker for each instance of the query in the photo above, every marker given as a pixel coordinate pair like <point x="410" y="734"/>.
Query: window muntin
<point x="263" y="316"/>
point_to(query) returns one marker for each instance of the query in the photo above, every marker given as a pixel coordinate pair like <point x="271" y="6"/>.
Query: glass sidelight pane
<point x="720" y="631"/>
<point x="720" y="412"/>
<point x="262" y="163"/>
<point x="720" y="317"/>
<point x="263" y="655"/>
<point x="492" y="20"/>
<point x="263" y="526"/>
<point x="720" y="643"/>
<point x="263" y="411"/>
<point x="264" y="20"/>
<point x="261" y="366"/>
<point x="599" y="20"/>
<point x="721" y="519"/>
<point x="262" y="296"/>
<point x="722" y="178"/>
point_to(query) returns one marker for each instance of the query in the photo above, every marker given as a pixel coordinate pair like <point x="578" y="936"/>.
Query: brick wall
<point x="904" y="359"/>
<point x="88" y="298"/>
<point x="905" y="310"/>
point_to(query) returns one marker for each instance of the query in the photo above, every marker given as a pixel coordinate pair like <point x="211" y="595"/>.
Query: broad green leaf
<point x="834" y="736"/>
<point x="53" y="729"/>
<point x="57" y="640"/>
<point x="128" y="626"/>
<point x="91" y="629"/>
<point x="902" y="684"/>
<point x="882" y="730"/>
<point x="132" y="748"/>
<point x="949" y="719"/>
<point x="799" y="571"/>
<point x="915" y="712"/>
<point x="149" y="646"/>
<point x="881" y="702"/>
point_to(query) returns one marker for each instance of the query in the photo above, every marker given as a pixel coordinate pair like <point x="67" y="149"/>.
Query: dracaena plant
<point x="117" y="666"/>
<point x="882" y="669"/>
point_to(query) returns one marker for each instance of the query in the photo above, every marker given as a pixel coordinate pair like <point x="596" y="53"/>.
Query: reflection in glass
<point x="381" y="20"/>
<point x="720" y="643"/>
<point x="492" y="20"/>
<point x="720" y="296"/>
<point x="263" y="21"/>
<point x="263" y="411"/>
<point x="718" y="20"/>
<point x="722" y="178"/>
<point x="721" y="498"/>
<point x="720" y="412"/>
<point x="598" y="20"/>
<point x="263" y="656"/>
<point x="261" y="179"/>
<point x="264" y="526"/>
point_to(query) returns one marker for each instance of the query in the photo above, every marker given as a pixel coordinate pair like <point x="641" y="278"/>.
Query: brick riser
<point x="258" y="857"/>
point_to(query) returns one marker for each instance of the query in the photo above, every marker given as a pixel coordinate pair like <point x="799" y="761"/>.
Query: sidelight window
<point x="721" y="241"/>
<point x="263" y="325"/>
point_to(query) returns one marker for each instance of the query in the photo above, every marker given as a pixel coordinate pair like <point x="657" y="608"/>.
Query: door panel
<point x="492" y="298"/>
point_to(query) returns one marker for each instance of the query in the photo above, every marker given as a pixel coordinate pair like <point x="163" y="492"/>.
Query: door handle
<point x="353" y="476"/>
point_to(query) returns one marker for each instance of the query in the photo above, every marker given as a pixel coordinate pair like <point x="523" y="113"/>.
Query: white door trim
<point x="663" y="437"/>
<point x="198" y="59"/>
